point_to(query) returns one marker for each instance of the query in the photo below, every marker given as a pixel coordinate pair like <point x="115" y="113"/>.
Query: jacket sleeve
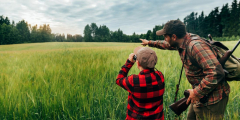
<point x="122" y="79"/>
<point x="212" y="69"/>
<point x="161" y="44"/>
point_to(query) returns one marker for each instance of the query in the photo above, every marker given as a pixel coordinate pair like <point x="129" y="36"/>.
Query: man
<point x="145" y="99"/>
<point x="210" y="92"/>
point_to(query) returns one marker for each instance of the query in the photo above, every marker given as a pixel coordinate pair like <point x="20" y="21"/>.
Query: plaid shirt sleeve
<point x="122" y="79"/>
<point x="161" y="44"/>
<point x="213" y="70"/>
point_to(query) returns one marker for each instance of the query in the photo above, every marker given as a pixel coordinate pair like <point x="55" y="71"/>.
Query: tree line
<point x="222" y="24"/>
<point x="93" y="33"/>
<point x="22" y="32"/>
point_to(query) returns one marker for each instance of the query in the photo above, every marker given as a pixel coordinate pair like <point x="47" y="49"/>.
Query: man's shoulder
<point x="195" y="40"/>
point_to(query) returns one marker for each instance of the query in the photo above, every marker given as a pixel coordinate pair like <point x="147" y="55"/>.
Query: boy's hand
<point x="144" y="42"/>
<point x="131" y="57"/>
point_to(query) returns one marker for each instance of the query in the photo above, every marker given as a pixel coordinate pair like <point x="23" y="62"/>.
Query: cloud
<point x="71" y="16"/>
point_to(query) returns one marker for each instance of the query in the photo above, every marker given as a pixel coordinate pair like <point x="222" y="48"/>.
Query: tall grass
<point x="227" y="38"/>
<point x="77" y="81"/>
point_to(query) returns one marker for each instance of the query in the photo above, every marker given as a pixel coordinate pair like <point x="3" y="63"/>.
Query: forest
<point x="222" y="23"/>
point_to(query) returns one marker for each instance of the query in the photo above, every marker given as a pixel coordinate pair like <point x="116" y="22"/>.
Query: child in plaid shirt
<point x="145" y="99"/>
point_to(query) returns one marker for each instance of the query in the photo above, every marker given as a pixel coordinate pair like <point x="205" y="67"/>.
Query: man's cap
<point x="172" y="27"/>
<point x="146" y="57"/>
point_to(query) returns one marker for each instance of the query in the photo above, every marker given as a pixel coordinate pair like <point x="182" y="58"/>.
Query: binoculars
<point x="135" y="57"/>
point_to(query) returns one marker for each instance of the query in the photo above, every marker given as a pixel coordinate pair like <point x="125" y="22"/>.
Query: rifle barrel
<point x="236" y="46"/>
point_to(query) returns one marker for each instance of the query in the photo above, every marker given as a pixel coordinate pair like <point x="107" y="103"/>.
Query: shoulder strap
<point x="180" y="77"/>
<point x="178" y="84"/>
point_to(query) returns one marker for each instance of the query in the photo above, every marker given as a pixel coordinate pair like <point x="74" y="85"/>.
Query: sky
<point x="71" y="16"/>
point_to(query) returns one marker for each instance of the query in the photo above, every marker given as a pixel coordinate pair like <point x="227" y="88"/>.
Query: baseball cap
<point x="172" y="27"/>
<point x="146" y="57"/>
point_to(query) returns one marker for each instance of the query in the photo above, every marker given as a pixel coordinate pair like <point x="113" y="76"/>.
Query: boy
<point x="145" y="99"/>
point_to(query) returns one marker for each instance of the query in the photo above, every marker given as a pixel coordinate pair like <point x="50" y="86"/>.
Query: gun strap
<point x="180" y="74"/>
<point x="178" y="84"/>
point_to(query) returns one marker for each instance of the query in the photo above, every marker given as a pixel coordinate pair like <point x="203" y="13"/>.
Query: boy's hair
<point x="146" y="57"/>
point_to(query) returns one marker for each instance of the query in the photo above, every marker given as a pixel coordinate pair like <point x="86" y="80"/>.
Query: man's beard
<point x="173" y="44"/>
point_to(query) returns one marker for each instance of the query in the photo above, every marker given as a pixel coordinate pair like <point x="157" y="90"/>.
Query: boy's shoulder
<point x="135" y="77"/>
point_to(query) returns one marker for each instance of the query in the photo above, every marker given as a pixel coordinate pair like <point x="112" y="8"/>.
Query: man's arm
<point x="213" y="70"/>
<point x="122" y="79"/>
<point x="161" y="44"/>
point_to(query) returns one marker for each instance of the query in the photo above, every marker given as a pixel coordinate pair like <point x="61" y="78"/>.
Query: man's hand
<point x="131" y="57"/>
<point x="192" y="97"/>
<point x="144" y="42"/>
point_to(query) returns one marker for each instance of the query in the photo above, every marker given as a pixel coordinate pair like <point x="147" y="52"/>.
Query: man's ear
<point x="174" y="37"/>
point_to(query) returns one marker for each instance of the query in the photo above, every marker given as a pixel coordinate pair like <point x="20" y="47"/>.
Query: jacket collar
<point x="146" y="71"/>
<point x="187" y="39"/>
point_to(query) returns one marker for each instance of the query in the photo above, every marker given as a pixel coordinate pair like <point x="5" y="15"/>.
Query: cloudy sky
<point x="71" y="16"/>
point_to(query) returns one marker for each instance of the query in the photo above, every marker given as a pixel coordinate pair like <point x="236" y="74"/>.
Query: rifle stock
<point x="181" y="105"/>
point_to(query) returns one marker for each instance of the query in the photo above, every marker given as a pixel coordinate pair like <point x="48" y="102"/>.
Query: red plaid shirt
<point x="145" y="99"/>
<point x="202" y="68"/>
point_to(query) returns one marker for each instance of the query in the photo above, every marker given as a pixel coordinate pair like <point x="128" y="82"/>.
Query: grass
<point x="77" y="81"/>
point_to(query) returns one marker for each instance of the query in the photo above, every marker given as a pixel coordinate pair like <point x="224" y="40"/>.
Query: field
<point x="77" y="81"/>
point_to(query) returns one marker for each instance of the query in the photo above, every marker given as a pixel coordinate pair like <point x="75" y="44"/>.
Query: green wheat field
<point x="76" y="81"/>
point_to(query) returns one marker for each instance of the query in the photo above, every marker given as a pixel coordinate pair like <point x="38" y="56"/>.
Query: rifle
<point x="181" y="105"/>
<point x="228" y="54"/>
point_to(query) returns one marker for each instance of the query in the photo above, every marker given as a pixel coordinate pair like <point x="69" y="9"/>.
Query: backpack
<point x="232" y="65"/>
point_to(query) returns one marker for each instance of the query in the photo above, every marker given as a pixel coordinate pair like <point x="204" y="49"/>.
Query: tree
<point x="155" y="29"/>
<point x="2" y="20"/>
<point x="13" y="23"/>
<point x="201" y="24"/>
<point x="1" y="34"/>
<point x="214" y="27"/>
<point x="120" y="36"/>
<point x="134" y="38"/>
<point x="87" y="34"/>
<point x="225" y="18"/>
<point x="154" y="36"/>
<point x="34" y="34"/>
<point x="148" y="37"/>
<point x="45" y="33"/>
<point x="24" y="32"/>
<point x="94" y="29"/>
<point x="239" y="19"/>
<point x="191" y="22"/>
<point x="69" y="38"/>
<point x="14" y="35"/>
<point x="103" y="34"/>
<point x="234" y="19"/>
<point x="78" y="38"/>
<point x="6" y="29"/>
<point x="7" y="21"/>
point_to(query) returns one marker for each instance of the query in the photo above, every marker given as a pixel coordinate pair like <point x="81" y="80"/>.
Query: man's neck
<point x="180" y="42"/>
